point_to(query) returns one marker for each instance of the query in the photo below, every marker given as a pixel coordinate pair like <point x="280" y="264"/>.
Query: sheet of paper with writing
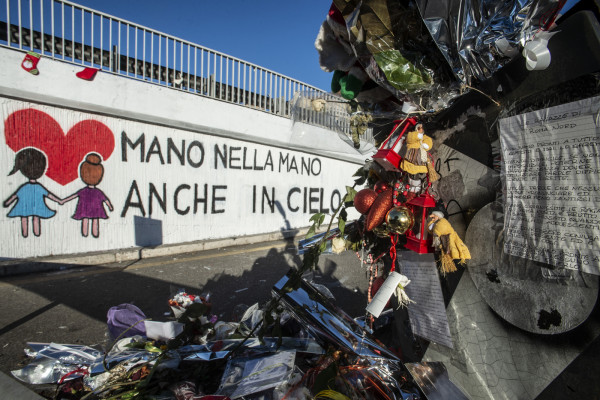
<point x="551" y="169"/>
<point x="427" y="314"/>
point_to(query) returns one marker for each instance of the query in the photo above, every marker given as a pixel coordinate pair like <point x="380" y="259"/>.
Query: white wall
<point x="261" y="173"/>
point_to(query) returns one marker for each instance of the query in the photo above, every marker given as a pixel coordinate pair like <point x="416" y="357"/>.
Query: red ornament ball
<point x="381" y="186"/>
<point x="363" y="200"/>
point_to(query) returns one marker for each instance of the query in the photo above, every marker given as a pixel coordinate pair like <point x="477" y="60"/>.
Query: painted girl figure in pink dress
<point x="90" y="205"/>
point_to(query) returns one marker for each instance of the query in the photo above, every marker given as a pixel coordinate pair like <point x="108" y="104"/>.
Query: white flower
<point x="338" y="245"/>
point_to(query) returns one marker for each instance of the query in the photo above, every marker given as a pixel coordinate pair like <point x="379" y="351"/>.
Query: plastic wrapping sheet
<point x="54" y="362"/>
<point x="423" y="52"/>
<point x="478" y="37"/>
<point x="395" y="49"/>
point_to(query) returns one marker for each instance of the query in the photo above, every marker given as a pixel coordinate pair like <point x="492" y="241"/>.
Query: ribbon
<point x="394" y="240"/>
<point x="536" y="53"/>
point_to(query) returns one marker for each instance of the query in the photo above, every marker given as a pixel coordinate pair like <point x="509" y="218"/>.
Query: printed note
<point x="551" y="169"/>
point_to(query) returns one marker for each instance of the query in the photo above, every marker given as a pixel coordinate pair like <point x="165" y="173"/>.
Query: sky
<point x="277" y="35"/>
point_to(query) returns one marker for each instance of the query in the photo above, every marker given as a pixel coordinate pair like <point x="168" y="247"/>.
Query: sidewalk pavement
<point x="63" y="262"/>
<point x="12" y="389"/>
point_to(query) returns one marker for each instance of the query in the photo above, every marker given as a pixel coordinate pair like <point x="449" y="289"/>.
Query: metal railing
<point x="72" y="33"/>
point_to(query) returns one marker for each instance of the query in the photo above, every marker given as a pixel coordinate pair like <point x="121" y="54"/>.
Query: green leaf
<point x="350" y="194"/>
<point x="311" y="232"/>
<point x="323" y="246"/>
<point x="316" y="217"/>
<point x="341" y="225"/>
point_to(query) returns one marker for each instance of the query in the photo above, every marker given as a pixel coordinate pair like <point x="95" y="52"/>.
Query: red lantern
<point x="418" y="238"/>
<point x="387" y="156"/>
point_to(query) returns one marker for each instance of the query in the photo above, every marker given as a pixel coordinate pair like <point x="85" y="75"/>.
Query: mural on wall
<point x="162" y="185"/>
<point x="30" y="197"/>
<point x="41" y="149"/>
<point x="90" y="206"/>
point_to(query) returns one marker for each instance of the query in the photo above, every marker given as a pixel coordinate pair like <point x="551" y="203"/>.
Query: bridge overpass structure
<point x="193" y="146"/>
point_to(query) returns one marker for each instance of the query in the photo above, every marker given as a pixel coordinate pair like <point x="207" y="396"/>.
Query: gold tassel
<point x="447" y="264"/>
<point x="433" y="175"/>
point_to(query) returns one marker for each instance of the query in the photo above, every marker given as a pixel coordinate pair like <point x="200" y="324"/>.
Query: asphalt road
<point x="70" y="306"/>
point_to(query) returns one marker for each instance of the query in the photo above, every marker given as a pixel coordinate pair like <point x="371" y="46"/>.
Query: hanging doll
<point x="447" y="242"/>
<point x="416" y="162"/>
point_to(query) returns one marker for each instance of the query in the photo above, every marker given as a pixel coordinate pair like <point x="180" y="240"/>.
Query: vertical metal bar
<point x="72" y="32"/>
<point x="135" y="57"/>
<point x="151" y="56"/>
<point x="166" y="60"/>
<point x="31" y="42"/>
<point x="271" y="92"/>
<point x="8" y="23"/>
<point x="92" y="44"/>
<point x="226" y="79"/>
<point x="174" y="61"/>
<point x="221" y="76"/>
<point x="159" y="58"/>
<point x="214" y="81"/>
<point x="239" y="65"/>
<point x="82" y="34"/>
<point x="195" y="69"/>
<point x="244" y="92"/>
<point x="127" y="52"/>
<point x="188" y="67"/>
<point x="144" y="54"/>
<point x="41" y="27"/>
<point x="255" y="84"/>
<point x="101" y="42"/>
<point x="260" y="88"/>
<point x="19" y="19"/>
<point x="119" y="48"/>
<point x="110" y="45"/>
<point x="233" y="81"/>
<point x="202" y="79"/>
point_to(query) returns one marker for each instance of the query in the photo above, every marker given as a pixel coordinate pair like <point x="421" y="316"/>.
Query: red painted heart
<point x="34" y="128"/>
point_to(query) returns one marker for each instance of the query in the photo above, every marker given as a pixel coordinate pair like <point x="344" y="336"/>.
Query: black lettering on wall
<point x="162" y="201"/>
<point x="180" y="153"/>
<point x="193" y="163"/>
<point x="313" y="199"/>
<point x="269" y="160"/>
<point x="312" y="166"/>
<point x="155" y="149"/>
<point x="214" y="209"/>
<point x="270" y="200"/>
<point x="244" y="166"/>
<point x="200" y="199"/>
<point x="334" y="204"/>
<point x="289" y="197"/>
<point x="322" y="210"/>
<point x="233" y="158"/>
<point x="141" y="141"/>
<point x="222" y="156"/>
<point x="305" y="166"/>
<point x="293" y="164"/>
<point x="133" y="189"/>
<point x="256" y="167"/>
<point x="176" y="200"/>
<point x="284" y="161"/>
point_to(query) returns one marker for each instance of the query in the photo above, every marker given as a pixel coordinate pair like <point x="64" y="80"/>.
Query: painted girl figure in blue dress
<point x="30" y="197"/>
